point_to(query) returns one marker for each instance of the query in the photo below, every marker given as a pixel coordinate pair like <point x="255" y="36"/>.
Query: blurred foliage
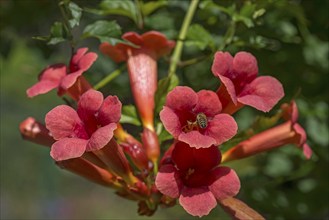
<point x="288" y="37"/>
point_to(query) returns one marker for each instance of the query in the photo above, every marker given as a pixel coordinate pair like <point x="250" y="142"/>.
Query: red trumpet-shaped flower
<point x="196" y="180"/>
<point x="289" y="132"/>
<point x="240" y="84"/>
<point x="86" y="167"/>
<point x="65" y="79"/>
<point x="87" y="129"/>
<point x="35" y="132"/>
<point x="142" y="67"/>
<point x="196" y="119"/>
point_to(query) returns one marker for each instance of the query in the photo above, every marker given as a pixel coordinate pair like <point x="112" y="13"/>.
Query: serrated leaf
<point x="129" y="115"/>
<point x="105" y="31"/>
<point x="117" y="7"/>
<point x="75" y="14"/>
<point x="149" y="7"/>
<point x="200" y="37"/>
<point x="165" y="85"/>
<point x="239" y="210"/>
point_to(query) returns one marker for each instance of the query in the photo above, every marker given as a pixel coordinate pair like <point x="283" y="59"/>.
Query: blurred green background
<point x="290" y="41"/>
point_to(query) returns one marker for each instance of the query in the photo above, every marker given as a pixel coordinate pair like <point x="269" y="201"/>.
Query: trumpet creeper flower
<point x="66" y="79"/>
<point x="87" y="129"/>
<point x="195" y="179"/>
<point x="142" y="67"/>
<point x="289" y="132"/>
<point x="196" y="118"/>
<point x="240" y="84"/>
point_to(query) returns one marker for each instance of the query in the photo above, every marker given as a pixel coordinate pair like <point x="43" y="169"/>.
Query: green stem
<point x="109" y="78"/>
<point x="140" y="19"/>
<point x="155" y="167"/>
<point x="193" y="60"/>
<point x="181" y="37"/>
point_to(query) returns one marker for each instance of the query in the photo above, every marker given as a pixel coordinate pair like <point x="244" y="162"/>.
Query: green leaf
<point x="162" y="133"/>
<point x="206" y="4"/>
<point x="75" y="14"/>
<point x="115" y="7"/>
<point x="57" y="33"/>
<point x="165" y="85"/>
<point x="105" y="31"/>
<point x="200" y="37"/>
<point x="129" y="115"/>
<point x="149" y="7"/>
<point x="262" y="123"/>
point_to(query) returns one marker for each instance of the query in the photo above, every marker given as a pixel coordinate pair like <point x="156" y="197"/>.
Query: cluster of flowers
<point x="89" y="140"/>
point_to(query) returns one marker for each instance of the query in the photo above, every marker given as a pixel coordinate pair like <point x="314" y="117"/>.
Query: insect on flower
<point x="202" y="121"/>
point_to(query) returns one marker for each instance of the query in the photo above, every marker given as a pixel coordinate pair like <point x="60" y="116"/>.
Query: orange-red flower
<point x="195" y="178"/>
<point x="289" y="132"/>
<point x="142" y="67"/>
<point x="66" y="79"/>
<point x="240" y="84"/>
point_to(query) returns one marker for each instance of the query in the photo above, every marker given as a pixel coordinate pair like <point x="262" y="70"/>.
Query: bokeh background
<point x="290" y="41"/>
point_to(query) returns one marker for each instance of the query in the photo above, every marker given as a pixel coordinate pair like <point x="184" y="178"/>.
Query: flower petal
<point x="69" y="80"/>
<point x="307" y="151"/>
<point x="78" y="55"/>
<point x="158" y="42"/>
<point x="222" y="64"/>
<point x="262" y="93"/>
<point x="82" y="61"/>
<point x="89" y="104"/>
<point x="170" y="121"/>
<point x="225" y="183"/>
<point x="197" y="201"/>
<point x="301" y="140"/>
<point x="222" y="128"/>
<point x="133" y="37"/>
<point x="230" y="88"/>
<point x="168" y="181"/>
<point x="68" y="148"/>
<point x="208" y="103"/>
<point x="244" y="67"/>
<point x="41" y="87"/>
<point x="290" y="111"/>
<point x="49" y="79"/>
<point x="63" y="121"/>
<point x="206" y="158"/>
<point x="117" y="53"/>
<point x="182" y="156"/>
<point x="101" y="137"/>
<point x="196" y="139"/>
<point x="181" y="98"/>
<point x="110" y="111"/>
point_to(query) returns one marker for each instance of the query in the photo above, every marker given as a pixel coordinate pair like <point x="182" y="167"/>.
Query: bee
<point x="201" y="120"/>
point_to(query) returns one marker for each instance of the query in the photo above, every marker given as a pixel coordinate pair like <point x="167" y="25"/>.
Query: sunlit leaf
<point x="105" y="31"/>
<point x="129" y="115"/>
<point x="149" y="7"/>
<point x="125" y="8"/>
<point x="200" y="37"/>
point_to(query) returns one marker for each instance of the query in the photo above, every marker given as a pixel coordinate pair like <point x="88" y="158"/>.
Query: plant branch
<point x="109" y="78"/>
<point x="181" y="37"/>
